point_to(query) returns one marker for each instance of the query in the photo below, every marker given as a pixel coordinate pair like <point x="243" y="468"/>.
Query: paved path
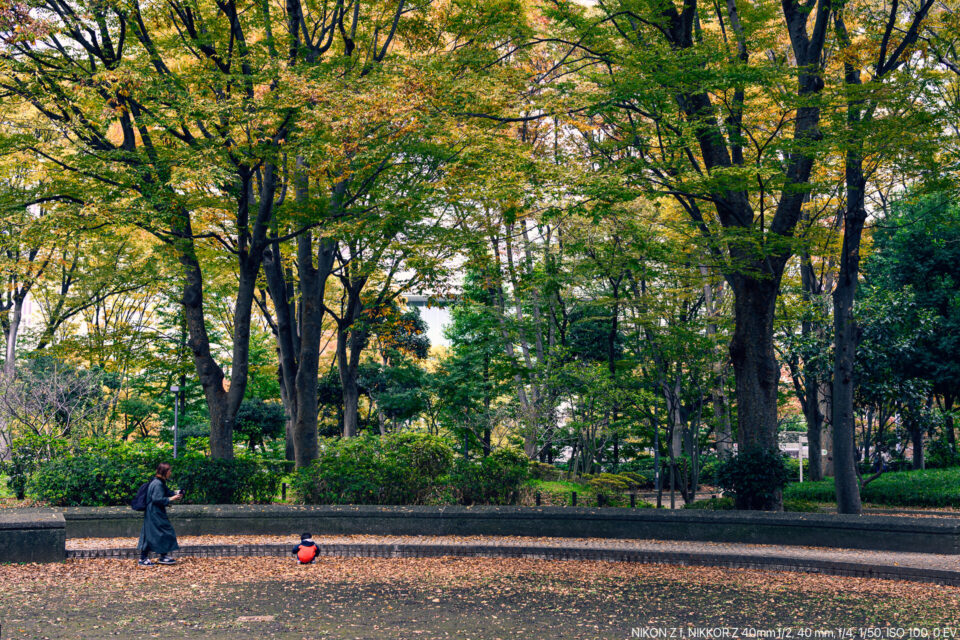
<point x="924" y="567"/>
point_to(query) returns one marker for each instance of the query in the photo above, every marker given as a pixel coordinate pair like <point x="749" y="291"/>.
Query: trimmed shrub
<point x="495" y="479"/>
<point x="754" y="476"/>
<point x="821" y="491"/>
<point x="727" y="504"/>
<point x="214" y="481"/>
<point x="615" y="484"/>
<point x="793" y="469"/>
<point x="402" y="468"/>
<point x="709" y="469"/>
<point x="544" y="471"/>
<point x="712" y="504"/>
<point x="926" y="488"/>
<point x="802" y="506"/>
<point x="85" y="480"/>
<point x="26" y="456"/>
<point x="637" y="480"/>
<point x="102" y="473"/>
<point x="641" y="470"/>
<point x="941" y="456"/>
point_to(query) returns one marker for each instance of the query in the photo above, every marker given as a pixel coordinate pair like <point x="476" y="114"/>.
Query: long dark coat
<point x="157" y="534"/>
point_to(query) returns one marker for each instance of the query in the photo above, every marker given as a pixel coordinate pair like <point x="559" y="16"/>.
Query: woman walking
<point x="157" y="534"/>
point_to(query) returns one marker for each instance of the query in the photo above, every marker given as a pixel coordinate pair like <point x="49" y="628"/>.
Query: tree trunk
<point x="814" y="418"/>
<point x="755" y="364"/>
<point x="718" y="396"/>
<point x="349" y="365"/>
<point x="845" y="347"/>
<point x="208" y="371"/>
<point x="300" y="331"/>
<point x="282" y="294"/>
<point x="756" y="370"/>
<point x="289" y="450"/>
<point x="845" y="328"/>
<point x="533" y="407"/>
<point x="313" y="284"/>
<point x="916" y="438"/>
<point x="825" y="400"/>
<point x="814" y="387"/>
<point x="529" y="439"/>
<point x="351" y="403"/>
<point x="11" y="329"/>
<point x="224" y="403"/>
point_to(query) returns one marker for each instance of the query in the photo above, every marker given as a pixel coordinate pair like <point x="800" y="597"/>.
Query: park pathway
<point x="922" y="567"/>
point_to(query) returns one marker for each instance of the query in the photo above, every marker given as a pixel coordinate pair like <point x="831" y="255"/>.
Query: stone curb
<point x="686" y="558"/>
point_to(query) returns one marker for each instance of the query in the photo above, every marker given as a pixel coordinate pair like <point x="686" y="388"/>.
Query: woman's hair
<point x="163" y="469"/>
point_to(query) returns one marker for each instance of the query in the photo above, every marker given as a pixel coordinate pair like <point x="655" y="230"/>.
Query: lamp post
<point x="175" y="390"/>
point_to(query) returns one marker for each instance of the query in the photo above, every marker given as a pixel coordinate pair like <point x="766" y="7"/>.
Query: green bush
<point x="400" y="468"/>
<point x="727" y="504"/>
<point x="793" y="469"/>
<point x="615" y="484"/>
<point x="641" y="470"/>
<point x="926" y="488"/>
<point x="803" y="506"/>
<point x="637" y="480"/>
<point x="214" y="481"/>
<point x="712" y="504"/>
<point x="940" y="455"/>
<point x="26" y="455"/>
<point x="428" y="456"/>
<point x="754" y="476"/>
<point x="85" y="480"/>
<point x="709" y="469"/>
<point x="495" y="479"/>
<point x="100" y="473"/>
<point x="821" y="491"/>
<point x="544" y="471"/>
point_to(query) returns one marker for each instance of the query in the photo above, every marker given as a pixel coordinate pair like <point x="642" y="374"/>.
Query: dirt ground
<point x="469" y="598"/>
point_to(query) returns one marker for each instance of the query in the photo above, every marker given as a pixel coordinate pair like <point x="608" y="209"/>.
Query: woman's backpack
<point x="139" y="502"/>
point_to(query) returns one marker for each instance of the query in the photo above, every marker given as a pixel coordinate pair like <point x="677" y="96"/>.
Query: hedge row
<point x="109" y="474"/>
<point x="408" y="468"/>
<point x="927" y="488"/>
<point x="727" y="504"/>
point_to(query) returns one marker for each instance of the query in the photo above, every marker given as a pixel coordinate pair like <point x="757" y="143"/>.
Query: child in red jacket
<point x="307" y="550"/>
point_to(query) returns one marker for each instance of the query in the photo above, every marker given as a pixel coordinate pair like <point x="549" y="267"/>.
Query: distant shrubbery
<point x="408" y="468"/>
<point x="712" y="504"/>
<point x="102" y="473"/>
<point x="753" y="476"/>
<point x="26" y="455"/>
<point x="393" y="469"/>
<point x="727" y="504"/>
<point x="544" y="471"/>
<point x="940" y="455"/>
<point x="927" y="488"/>
<point x="495" y="479"/>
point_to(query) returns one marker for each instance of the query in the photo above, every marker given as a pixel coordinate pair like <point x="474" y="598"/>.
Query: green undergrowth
<point x="926" y="488"/>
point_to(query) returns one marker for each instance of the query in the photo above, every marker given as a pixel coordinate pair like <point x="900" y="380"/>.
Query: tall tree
<point x="682" y="113"/>
<point x="893" y="43"/>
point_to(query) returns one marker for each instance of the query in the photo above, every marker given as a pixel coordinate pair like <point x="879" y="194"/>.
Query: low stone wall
<point x="32" y="535"/>
<point x="929" y="535"/>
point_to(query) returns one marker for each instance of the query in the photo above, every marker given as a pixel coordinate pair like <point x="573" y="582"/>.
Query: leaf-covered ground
<point x="478" y="598"/>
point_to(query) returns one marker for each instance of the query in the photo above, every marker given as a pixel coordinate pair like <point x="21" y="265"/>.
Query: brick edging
<point x="686" y="558"/>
